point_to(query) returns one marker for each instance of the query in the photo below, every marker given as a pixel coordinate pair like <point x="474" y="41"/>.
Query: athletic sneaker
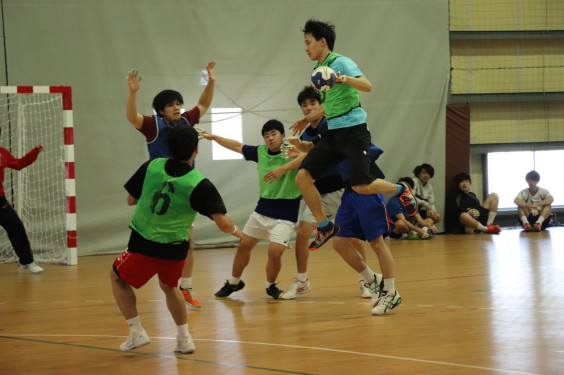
<point x="227" y="288"/>
<point x="324" y="236"/>
<point x="386" y="302"/>
<point x="135" y="340"/>
<point x="32" y="267"/>
<point x="274" y="292"/>
<point x="407" y="199"/>
<point x="412" y="235"/>
<point x="536" y="228"/>
<point x="184" y="345"/>
<point x="375" y="287"/>
<point x="527" y="227"/>
<point x="297" y="287"/>
<point x="189" y="298"/>
<point x="364" y="291"/>
<point x="493" y="229"/>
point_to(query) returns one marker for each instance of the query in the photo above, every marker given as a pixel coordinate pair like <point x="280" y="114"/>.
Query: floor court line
<point x="22" y="336"/>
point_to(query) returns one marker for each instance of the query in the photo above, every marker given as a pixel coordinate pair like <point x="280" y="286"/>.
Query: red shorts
<point x="136" y="269"/>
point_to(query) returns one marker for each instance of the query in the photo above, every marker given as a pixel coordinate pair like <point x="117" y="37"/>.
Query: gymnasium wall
<point x="507" y="60"/>
<point x="400" y="45"/>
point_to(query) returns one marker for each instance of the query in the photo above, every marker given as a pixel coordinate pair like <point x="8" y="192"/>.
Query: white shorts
<point x="263" y="227"/>
<point x="330" y="203"/>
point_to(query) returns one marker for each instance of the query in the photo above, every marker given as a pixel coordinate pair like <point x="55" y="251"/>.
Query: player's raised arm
<point x="360" y="83"/>
<point x="133" y="81"/>
<point x="229" y="144"/>
<point x="302" y="123"/>
<point x="207" y="95"/>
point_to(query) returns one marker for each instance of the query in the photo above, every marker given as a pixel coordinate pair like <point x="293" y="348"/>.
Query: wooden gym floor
<point x="472" y="304"/>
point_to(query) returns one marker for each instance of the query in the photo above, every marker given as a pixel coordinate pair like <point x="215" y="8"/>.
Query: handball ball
<point x="323" y="78"/>
<point x="428" y="233"/>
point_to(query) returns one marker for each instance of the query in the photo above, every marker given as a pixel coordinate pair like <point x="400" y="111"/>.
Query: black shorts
<point x="351" y="144"/>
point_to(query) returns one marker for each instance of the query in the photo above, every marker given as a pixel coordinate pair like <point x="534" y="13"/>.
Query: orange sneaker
<point x="527" y="227"/>
<point x="493" y="229"/>
<point x="190" y="300"/>
<point x="537" y="227"/>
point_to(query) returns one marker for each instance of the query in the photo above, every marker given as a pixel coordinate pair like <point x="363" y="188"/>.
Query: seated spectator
<point x="424" y="193"/>
<point x="401" y="224"/>
<point x="463" y="212"/>
<point x="534" y="204"/>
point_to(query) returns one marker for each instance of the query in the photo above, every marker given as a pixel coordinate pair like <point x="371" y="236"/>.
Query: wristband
<point x="234" y="229"/>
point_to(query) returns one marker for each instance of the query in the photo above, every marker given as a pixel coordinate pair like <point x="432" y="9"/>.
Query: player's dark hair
<point x="428" y="167"/>
<point x="461" y="177"/>
<point x="407" y="180"/>
<point x="272" y="125"/>
<point x="320" y="30"/>
<point x="166" y="97"/>
<point x="308" y="93"/>
<point x="181" y="141"/>
<point x="532" y="176"/>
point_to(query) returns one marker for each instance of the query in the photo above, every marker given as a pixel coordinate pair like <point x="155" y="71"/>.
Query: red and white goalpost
<point x="44" y="193"/>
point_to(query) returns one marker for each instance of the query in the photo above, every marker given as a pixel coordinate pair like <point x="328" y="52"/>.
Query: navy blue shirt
<point x="283" y="209"/>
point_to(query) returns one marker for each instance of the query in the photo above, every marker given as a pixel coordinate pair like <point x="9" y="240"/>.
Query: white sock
<point x="186" y="283"/>
<point x="524" y="220"/>
<point x="367" y="275"/>
<point x="302" y="277"/>
<point x="234" y="280"/>
<point x="389" y="285"/>
<point x="481" y="227"/>
<point x="491" y="217"/>
<point x="183" y="330"/>
<point x="267" y="284"/>
<point x="540" y="220"/>
<point x="134" y="324"/>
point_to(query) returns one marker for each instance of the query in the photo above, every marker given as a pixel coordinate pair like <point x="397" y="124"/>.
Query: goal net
<point x="42" y="193"/>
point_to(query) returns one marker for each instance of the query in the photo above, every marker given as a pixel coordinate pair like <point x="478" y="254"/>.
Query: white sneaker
<point x="185" y="345"/>
<point x="32" y="267"/>
<point x="297" y="287"/>
<point x="135" y="340"/>
<point x="386" y="302"/>
<point x="364" y="291"/>
<point x="375" y="287"/>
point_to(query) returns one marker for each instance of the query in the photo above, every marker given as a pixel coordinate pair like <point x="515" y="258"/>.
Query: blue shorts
<point x="362" y="216"/>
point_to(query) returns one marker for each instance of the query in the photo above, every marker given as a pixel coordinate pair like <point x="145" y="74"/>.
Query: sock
<point x="134" y="324"/>
<point x="183" y="330"/>
<point x="540" y="220"/>
<point x="367" y="275"/>
<point x="524" y="220"/>
<point x="302" y="277"/>
<point x="400" y="189"/>
<point x="491" y="216"/>
<point x="234" y="280"/>
<point x="268" y="284"/>
<point x="389" y="285"/>
<point x="482" y="228"/>
<point x="323" y="224"/>
<point x="186" y="283"/>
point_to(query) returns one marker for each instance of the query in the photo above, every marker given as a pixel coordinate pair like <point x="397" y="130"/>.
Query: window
<point x="226" y="122"/>
<point x="507" y="170"/>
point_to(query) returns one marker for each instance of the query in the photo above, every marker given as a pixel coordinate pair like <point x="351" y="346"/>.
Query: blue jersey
<point x="157" y="148"/>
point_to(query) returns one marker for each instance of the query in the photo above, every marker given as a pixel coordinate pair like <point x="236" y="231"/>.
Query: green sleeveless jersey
<point x="163" y="213"/>
<point x="341" y="98"/>
<point x="283" y="188"/>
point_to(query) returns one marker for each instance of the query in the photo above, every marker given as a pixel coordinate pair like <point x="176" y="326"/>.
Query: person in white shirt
<point x="534" y="204"/>
<point x="424" y="193"/>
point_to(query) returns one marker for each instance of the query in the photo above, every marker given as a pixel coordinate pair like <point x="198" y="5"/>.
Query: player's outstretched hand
<point x="294" y="152"/>
<point x="133" y="80"/>
<point x="298" y="126"/>
<point x="206" y="135"/>
<point x="274" y="174"/>
<point x="211" y="71"/>
<point x="39" y="147"/>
